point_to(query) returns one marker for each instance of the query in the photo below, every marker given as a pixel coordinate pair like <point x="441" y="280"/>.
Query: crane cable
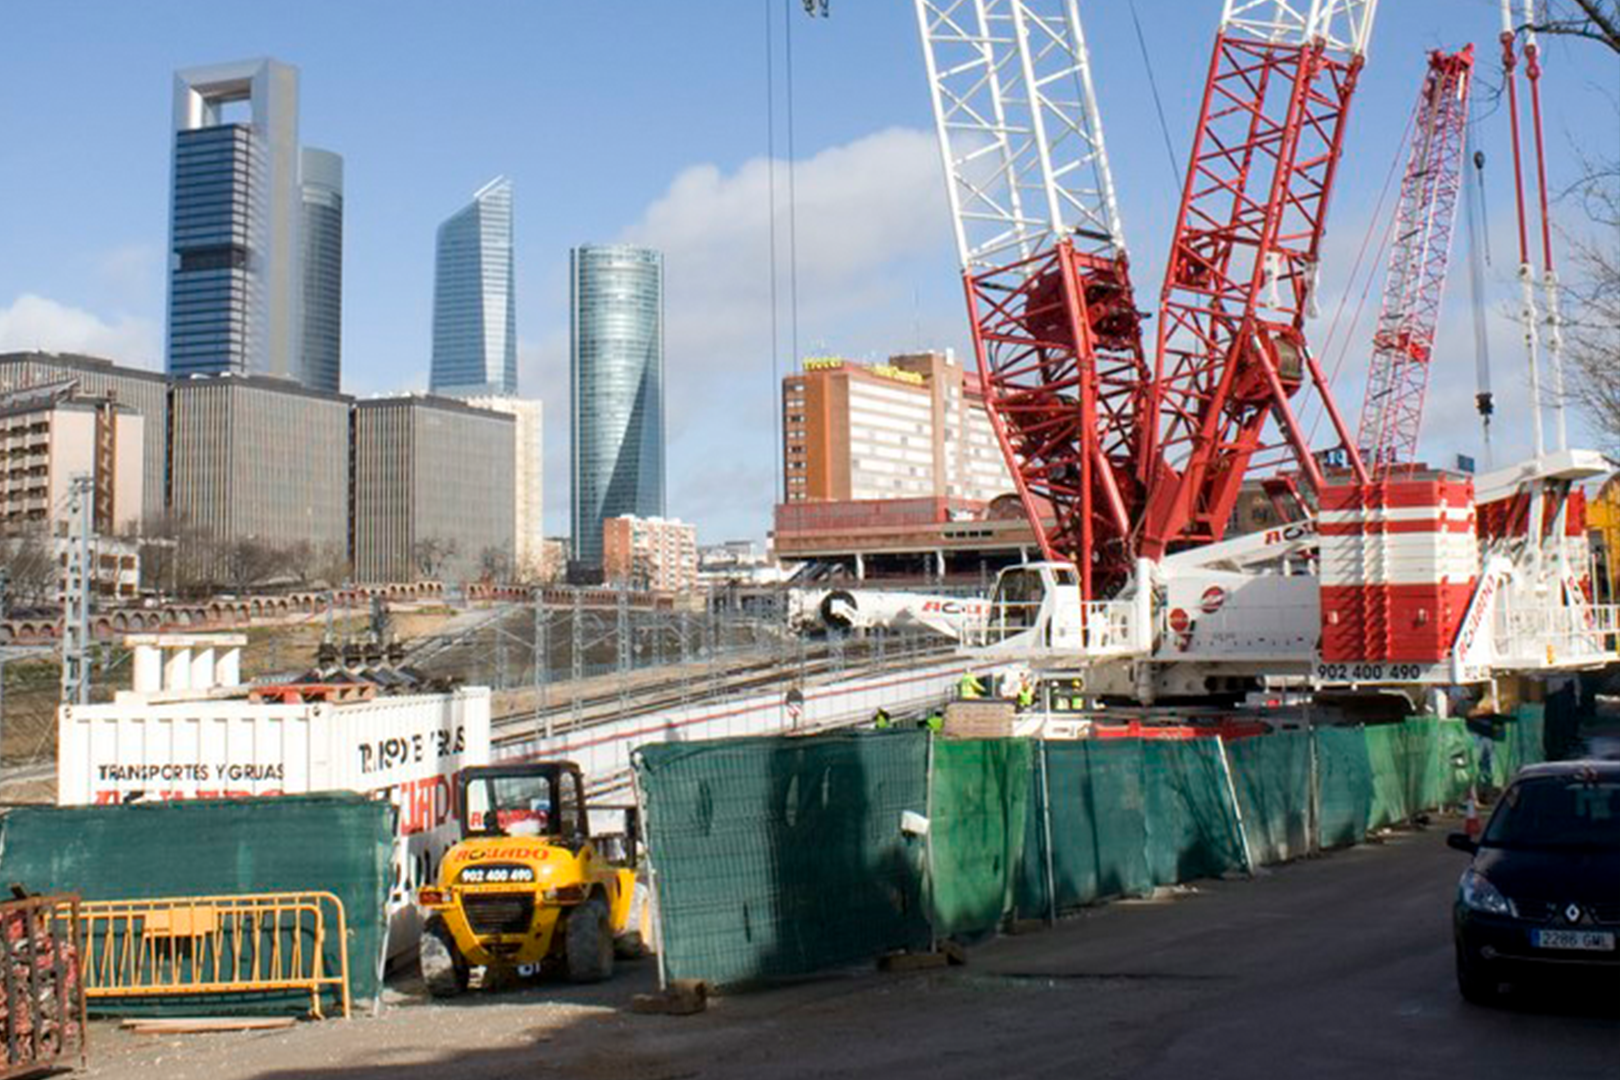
<point x="770" y="171"/>
<point x="1158" y="103"/>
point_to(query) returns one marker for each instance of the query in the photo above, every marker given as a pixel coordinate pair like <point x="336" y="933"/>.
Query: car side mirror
<point x="1462" y="842"/>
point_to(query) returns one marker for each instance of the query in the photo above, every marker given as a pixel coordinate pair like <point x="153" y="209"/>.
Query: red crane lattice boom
<point x="1420" y="253"/>
<point x="1231" y="351"/>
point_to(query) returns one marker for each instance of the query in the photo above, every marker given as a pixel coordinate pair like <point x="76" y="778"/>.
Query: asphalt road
<point x="1333" y="967"/>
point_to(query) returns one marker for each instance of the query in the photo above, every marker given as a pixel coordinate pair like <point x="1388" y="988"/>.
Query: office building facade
<point x="262" y="459"/>
<point x="474" y="315"/>
<point x="235" y="289"/>
<point x="321" y="262"/>
<point x="616" y="385"/>
<point x="144" y="392"/>
<point x="650" y="553"/>
<point x="914" y="427"/>
<point x="434" y="483"/>
<point x="528" y="470"/>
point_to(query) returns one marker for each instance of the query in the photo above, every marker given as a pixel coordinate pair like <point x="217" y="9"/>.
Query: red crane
<point x="1056" y="332"/>
<point x="1420" y="252"/>
<point x="1231" y="350"/>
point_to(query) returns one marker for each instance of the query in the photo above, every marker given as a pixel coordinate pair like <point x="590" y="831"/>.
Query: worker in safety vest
<point x="881" y="720"/>
<point x="1026" y="692"/>
<point x="935" y="721"/>
<point x="969" y="688"/>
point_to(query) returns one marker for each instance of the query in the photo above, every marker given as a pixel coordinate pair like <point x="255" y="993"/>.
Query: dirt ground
<point x="1336" y="968"/>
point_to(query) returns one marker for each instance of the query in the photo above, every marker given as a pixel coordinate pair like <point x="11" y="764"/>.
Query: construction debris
<point x="682" y="997"/>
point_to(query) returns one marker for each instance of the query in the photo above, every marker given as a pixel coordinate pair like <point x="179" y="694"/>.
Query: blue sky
<point x="646" y="121"/>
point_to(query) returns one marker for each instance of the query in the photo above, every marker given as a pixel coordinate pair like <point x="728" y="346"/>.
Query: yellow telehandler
<point x="527" y="886"/>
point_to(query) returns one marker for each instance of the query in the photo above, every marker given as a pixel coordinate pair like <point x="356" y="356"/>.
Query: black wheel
<point x="444" y="969"/>
<point x="1478" y="987"/>
<point x="589" y="942"/>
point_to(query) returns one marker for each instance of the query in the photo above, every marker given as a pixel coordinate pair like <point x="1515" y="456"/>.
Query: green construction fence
<point x="337" y="843"/>
<point x="784" y="856"/>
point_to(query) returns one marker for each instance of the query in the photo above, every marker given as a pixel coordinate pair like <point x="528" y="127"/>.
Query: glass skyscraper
<point x="474" y="317"/>
<point x="616" y="384"/>
<point x="321" y="241"/>
<point x="234" y="284"/>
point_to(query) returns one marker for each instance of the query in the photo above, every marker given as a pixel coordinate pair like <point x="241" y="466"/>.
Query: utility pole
<point x="542" y="663"/>
<point x="576" y="658"/>
<point x="76" y="595"/>
<point x="5" y="580"/>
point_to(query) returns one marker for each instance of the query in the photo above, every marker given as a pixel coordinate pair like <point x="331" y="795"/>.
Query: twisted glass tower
<point x="321" y="180"/>
<point x="474" y="319"/>
<point x="616" y="384"/>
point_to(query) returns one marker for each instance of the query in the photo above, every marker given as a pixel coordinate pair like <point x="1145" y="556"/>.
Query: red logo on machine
<point x="1180" y="621"/>
<point x="1213" y="598"/>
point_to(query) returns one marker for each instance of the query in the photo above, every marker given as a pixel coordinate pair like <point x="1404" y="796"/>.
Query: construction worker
<point x="935" y="722"/>
<point x="969" y="688"/>
<point x="881" y="720"/>
<point x="1026" y="692"/>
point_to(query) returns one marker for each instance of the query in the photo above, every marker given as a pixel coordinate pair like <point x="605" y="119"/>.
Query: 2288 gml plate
<point x="1587" y="940"/>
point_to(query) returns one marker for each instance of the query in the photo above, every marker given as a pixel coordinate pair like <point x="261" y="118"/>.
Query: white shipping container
<point x="408" y="748"/>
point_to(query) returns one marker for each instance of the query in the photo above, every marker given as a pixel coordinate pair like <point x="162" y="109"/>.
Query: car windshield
<point x="511" y="806"/>
<point x="1557" y="811"/>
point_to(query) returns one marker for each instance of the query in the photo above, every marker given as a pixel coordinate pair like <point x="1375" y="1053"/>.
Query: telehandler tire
<point x="444" y="969"/>
<point x="589" y="942"/>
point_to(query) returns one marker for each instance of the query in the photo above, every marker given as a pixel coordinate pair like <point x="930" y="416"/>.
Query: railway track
<point x="739" y="681"/>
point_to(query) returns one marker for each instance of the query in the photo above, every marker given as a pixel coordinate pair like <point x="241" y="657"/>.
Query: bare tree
<point x="1593" y="299"/>
<point x="28" y="559"/>
<point x="495" y="564"/>
<point x="432" y="554"/>
<point x="249" y="561"/>
<point x="1596" y="20"/>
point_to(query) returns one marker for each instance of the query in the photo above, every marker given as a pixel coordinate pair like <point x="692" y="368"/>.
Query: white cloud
<point x="875" y="275"/>
<point x="37" y="322"/>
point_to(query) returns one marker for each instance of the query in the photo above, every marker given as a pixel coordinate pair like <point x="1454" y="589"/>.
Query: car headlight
<point x="1478" y="894"/>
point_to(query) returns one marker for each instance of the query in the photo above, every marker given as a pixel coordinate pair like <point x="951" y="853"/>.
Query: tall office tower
<point x="321" y="184"/>
<point x="616" y="384"/>
<point x="528" y="466"/>
<point x="474" y="318"/>
<point x="234" y="283"/>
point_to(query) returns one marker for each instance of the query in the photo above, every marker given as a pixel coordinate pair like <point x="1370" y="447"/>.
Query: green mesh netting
<point x="1192" y="828"/>
<point x="337" y="843"/>
<point x="777" y="856"/>
<point x="1272" y="777"/>
<point x="978" y="817"/>
<point x="1344" y="786"/>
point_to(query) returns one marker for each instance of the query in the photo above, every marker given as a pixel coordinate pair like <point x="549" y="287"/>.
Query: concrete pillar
<point x="228" y="667"/>
<point x="202" y="668"/>
<point x="939" y="563"/>
<point x="148" y="669"/>
<point x="860" y="567"/>
<point x="177" y="669"/>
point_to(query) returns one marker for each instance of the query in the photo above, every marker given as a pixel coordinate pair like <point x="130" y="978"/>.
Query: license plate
<point x="1589" y="940"/>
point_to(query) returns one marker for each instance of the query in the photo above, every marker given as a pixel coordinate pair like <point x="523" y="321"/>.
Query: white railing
<point x="1098" y="628"/>
<point x="1556" y="635"/>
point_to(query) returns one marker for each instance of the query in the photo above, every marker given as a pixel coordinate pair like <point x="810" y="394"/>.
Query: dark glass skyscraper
<point x="321" y="240"/>
<point x="234" y="283"/>
<point x="616" y="383"/>
<point x="474" y="314"/>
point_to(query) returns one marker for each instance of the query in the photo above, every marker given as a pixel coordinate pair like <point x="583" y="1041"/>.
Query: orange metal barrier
<point x="251" y="943"/>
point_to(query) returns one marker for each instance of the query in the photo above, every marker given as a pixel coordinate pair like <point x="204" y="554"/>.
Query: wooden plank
<point x="197" y="1025"/>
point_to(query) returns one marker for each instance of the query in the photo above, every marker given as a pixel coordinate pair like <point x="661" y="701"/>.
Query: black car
<point x="1542" y="895"/>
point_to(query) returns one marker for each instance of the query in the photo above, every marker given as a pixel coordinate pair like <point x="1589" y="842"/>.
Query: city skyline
<point x="875" y="270"/>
